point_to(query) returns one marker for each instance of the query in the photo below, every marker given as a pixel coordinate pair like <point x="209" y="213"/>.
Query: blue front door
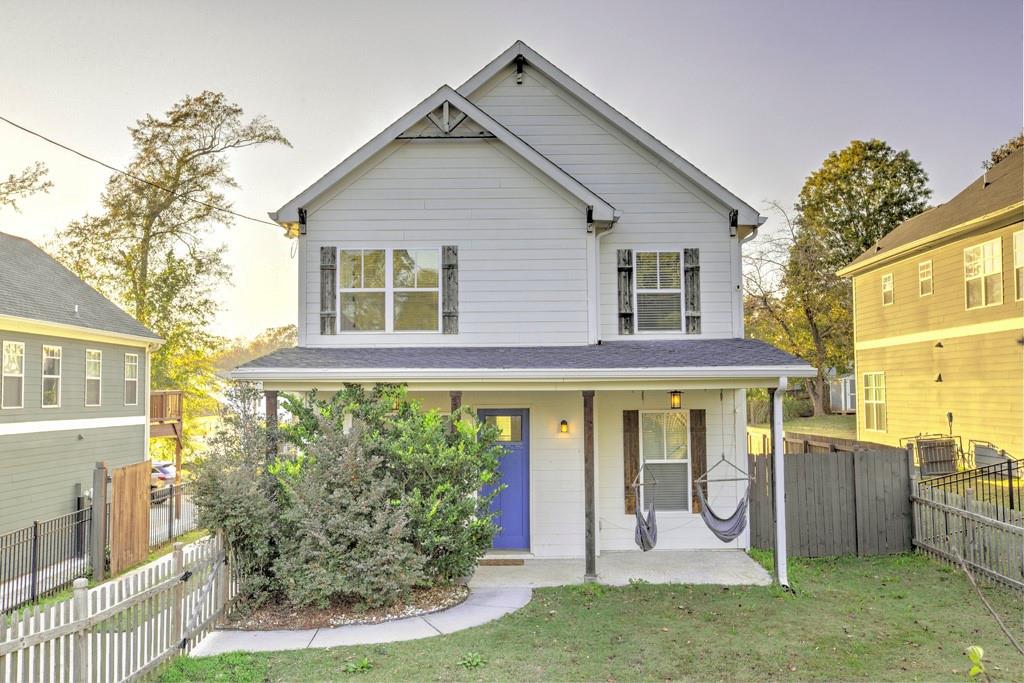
<point x="512" y="505"/>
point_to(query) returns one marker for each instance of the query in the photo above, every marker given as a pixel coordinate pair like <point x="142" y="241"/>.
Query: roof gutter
<point x="62" y="329"/>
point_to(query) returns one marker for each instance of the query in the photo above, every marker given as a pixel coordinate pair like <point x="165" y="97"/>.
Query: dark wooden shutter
<point x="328" y="290"/>
<point x="450" y="290"/>
<point x="630" y="455"/>
<point x="625" y="261"/>
<point x="691" y="276"/>
<point x="698" y="450"/>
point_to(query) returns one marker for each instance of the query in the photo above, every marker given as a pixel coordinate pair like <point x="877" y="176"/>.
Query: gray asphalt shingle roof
<point x="37" y="287"/>
<point x="690" y="353"/>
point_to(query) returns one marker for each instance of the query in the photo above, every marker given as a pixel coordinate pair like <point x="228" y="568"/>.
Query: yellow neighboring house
<point x="938" y="309"/>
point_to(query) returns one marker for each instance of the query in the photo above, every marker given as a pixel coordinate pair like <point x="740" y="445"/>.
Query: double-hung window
<point x="659" y="291"/>
<point x="93" y="376"/>
<point x="12" y="377"/>
<point x="874" y="401"/>
<point x="665" y="456"/>
<point x="131" y="379"/>
<point x="1018" y="264"/>
<point x="888" y="290"/>
<point x="983" y="274"/>
<point x="51" y="376"/>
<point x="390" y="290"/>
<point x="925" y="285"/>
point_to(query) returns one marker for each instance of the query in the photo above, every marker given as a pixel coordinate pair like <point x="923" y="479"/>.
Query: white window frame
<point x="874" y="401"/>
<point x="676" y="461"/>
<point x="637" y="291"/>
<point x="1018" y="264"/>
<point x="922" y="267"/>
<point x="135" y="358"/>
<point x="888" y="287"/>
<point x="3" y="375"/>
<point x="997" y="260"/>
<point x="99" y="393"/>
<point x="389" y="290"/>
<point x="44" y="376"/>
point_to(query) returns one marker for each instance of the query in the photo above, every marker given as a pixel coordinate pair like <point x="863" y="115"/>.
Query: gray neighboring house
<point x="74" y="385"/>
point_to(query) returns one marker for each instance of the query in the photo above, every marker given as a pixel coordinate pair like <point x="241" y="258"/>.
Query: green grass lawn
<point x="894" y="618"/>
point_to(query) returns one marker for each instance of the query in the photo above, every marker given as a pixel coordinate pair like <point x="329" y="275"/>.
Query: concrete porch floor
<point x="723" y="567"/>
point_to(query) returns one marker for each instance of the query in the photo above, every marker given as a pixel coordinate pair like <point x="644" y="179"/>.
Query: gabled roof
<point x="996" y="195"/>
<point x="747" y="214"/>
<point x="36" y="287"/>
<point x="602" y="210"/>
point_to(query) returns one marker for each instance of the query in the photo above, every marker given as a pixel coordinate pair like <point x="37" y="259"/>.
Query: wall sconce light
<point x="675" y="400"/>
<point x="563" y="427"/>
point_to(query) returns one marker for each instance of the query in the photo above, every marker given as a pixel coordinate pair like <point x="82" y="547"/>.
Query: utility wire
<point x="135" y="177"/>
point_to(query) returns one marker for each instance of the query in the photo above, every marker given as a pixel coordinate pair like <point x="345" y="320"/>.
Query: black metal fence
<point x="171" y="513"/>
<point x="999" y="486"/>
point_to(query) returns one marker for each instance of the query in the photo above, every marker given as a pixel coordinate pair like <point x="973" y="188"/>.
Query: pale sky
<point x="754" y="93"/>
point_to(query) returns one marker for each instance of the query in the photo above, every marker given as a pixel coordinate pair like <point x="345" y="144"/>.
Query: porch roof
<point x="691" y="358"/>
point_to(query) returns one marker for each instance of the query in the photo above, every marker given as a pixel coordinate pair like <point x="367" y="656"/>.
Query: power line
<point x="137" y="178"/>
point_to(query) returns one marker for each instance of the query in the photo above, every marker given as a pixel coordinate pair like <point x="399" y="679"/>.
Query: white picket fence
<point x="122" y="629"/>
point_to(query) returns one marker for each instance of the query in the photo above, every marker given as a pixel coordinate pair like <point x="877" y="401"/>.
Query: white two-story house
<point x="519" y="246"/>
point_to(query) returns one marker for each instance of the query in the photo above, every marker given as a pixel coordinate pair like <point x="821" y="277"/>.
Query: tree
<point x="241" y="351"/>
<point x="148" y="248"/>
<point x="793" y="297"/>
<point x="29" y="181"/>
<point x="1004" y="150"/>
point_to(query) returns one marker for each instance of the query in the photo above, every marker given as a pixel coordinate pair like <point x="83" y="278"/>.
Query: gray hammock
<point x="646" y="535"/>
<point x="725" y="528"/>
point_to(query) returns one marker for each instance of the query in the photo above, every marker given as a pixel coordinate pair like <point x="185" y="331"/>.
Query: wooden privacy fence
<point x="837" y="503"/>
<point x="129" y="525"/>
<point x="990" y="540"/>
<point x="125" y="628"/>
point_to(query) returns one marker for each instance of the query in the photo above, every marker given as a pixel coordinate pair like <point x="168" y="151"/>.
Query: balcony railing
<point x="165" y="412"/>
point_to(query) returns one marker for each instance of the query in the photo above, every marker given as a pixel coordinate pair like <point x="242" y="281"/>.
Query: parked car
<point x="160" y="481"/>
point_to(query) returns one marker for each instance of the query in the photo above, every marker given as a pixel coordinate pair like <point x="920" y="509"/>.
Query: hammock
<point x="725" y="528"/>
<point x="646" y="535"/>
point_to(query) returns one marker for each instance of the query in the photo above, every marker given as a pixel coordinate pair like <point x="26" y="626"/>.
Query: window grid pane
<point x="874" y="401"/>
<point x="664" y="446"/>
<point x="983" y="274"/>
<point x="51" y="376"/>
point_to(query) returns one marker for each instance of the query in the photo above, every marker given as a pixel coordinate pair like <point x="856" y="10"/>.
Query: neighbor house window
<point x="659" y="291"/>
<point x="51" y="376"/>
<point x="983" y="274"/>
<point x="924" y="278"/>
<point x="665" y="455"/>
<point x="12" y="380"/>
<point x="390" y="290"/>
<point x="888" y="296"/>
<point x="874" y="401"/>
<point x="1018" y="264"/>
<point x="131" y="379"/>
<point x="93" y="375"/>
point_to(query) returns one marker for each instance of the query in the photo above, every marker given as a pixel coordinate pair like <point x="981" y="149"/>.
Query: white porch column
<point x="779" y="477"/>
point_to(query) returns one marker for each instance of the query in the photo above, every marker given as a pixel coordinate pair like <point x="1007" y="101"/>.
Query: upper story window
<point x="924" y="278"/>
<point x="131" y="379"/>
<point x="12" y="377"/>
<point x="888" y="295"/>
<point x="51" y="376"/>
<point x="659" y="291"/>
<point x="665" y="454"/>
<point x="1018" y="264"/>
<point x="983" y="274"/>
<point x="390" y="290"/>
<point x="874" y="401"/>
<point x="93" y="376"/>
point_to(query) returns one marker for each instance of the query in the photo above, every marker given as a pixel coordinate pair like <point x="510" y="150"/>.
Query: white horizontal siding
<point x="522" y="242"/>
<point x="660" y="209"/>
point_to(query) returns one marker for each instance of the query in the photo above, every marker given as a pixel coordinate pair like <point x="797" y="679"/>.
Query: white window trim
<point x="87" y="379"/>
<point x="3" y="347"/>
<point x="930" y="279"/>
<point x="637" y="291"/>
<point x="136" y="380"/>
<point x="688" y="460"/>
<point x="44" y="376"/>
<point x="999" y="262"/>
<point x="389" y="290"/>
<point x="1018" y="262"/>
<point x="888" y="278"/>
<point x="884" y="402"/>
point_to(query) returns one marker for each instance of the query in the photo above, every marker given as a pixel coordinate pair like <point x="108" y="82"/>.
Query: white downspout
<point x="779" y="476"/>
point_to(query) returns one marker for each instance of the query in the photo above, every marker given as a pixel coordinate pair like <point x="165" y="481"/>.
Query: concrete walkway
<point x="482" y="605"/>
<point x="723" y="567"/>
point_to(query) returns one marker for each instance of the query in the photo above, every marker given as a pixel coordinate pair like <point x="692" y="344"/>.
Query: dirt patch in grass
<point x="280" y="616"/>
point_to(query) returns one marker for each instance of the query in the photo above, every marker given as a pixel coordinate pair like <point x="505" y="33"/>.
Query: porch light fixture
<point x="563" y="427"/>
<point x="675" y="400"/>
